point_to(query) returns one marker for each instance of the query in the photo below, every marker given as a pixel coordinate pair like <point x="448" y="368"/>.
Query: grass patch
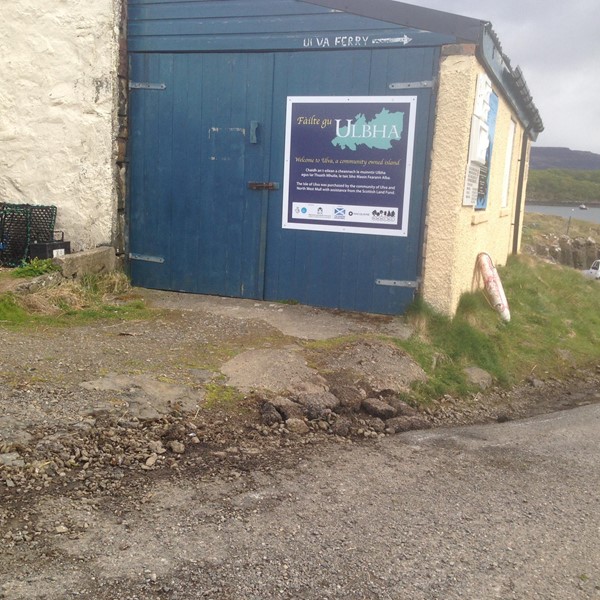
<point x="73" y="302"/>
<point x="555" y="324"/>
<point x="10" y="311"/>
<point x="538" y="228"/>
<point x="221" y="396"/>
<point x="35" y="268"/>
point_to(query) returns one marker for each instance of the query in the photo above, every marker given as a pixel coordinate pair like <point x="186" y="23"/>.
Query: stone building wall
<point x="59" y="62"/>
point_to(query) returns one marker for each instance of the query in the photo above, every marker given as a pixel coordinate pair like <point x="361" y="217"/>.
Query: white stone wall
<point x="58" y="97"/>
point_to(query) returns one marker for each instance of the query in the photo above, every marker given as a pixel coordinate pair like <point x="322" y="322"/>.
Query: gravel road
<point x="498" y="511"/>
<point x="118" y="483"/>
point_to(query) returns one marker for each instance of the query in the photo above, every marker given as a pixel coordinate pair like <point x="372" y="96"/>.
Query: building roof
<point x="466" y="30"/>
<point x="401" y="13"/>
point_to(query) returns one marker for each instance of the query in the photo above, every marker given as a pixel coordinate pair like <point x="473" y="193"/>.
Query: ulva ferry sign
<point x="348" y="164"/>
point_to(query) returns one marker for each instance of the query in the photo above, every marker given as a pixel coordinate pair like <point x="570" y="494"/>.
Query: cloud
<point x="558" y="47"/>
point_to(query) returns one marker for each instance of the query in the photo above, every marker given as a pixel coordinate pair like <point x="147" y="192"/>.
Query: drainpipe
<point x="520" y="190"/>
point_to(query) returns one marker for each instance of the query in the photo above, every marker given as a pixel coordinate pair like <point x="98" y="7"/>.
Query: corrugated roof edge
<point x="512" y="80"/>
<point x="466" y="29"/>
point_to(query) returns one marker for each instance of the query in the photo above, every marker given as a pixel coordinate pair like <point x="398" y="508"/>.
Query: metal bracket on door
<point x="397" y="283"/>
<point x="145" y="258"/>
<point x="412" y="85"/>
<point x="147" y="86"/>
<point x="263" y="185"/>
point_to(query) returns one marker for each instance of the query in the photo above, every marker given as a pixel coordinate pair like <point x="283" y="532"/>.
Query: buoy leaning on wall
<point x="493" y="285"/>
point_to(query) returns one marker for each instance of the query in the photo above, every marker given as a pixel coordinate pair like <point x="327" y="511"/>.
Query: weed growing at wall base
<point x="35" y="267"/>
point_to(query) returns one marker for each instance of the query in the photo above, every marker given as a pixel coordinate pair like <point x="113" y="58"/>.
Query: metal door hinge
<point x="411" y="85"/>
<point x="397" y="283"/>
<point x="145" y="258"/>
<point x="133" y="85"/>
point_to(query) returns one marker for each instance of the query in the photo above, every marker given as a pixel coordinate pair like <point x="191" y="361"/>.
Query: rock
<point x="534" y="382"/>
<point x="297" y="426"/>
<point x="318" y="405"/>
<point x="269" y="414"/>
<point x="96" y="261"/>
<point x="400" y="424"/>
<point x="61" y="529"/>
<point x="377" y="424"/>
<point x="151" y="460"/>
<point x="11" y="459"/>
<point x="341" y="426"/>
<point x="378" y="408"/>
<point x="177" y="447"/>
<point x="478" y="377"/>
<point x="287" y="408"/>
<point x="157" y="447"/>
<point x="402" y="408"/>
<point x="349" y="396"/>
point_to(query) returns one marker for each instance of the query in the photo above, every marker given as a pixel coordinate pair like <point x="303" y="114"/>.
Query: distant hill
<point x="562" y="158"/>
<point x="564" y="186"/>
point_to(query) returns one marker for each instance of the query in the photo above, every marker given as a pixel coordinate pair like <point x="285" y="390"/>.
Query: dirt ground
<point x="102" y="425"/>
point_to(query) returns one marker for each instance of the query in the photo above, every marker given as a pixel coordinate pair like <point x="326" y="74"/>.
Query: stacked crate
<point x="21" y="226"/>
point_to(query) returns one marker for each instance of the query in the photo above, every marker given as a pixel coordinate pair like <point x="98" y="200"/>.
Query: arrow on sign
<point x="400" y="40"/>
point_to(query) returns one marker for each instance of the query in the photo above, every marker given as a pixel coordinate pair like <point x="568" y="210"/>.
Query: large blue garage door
<point x="208" y="177"/>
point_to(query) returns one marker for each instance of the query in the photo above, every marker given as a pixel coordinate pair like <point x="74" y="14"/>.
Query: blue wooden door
<point x="200" y="132"/>
<point x="219" y="124"/>
<point x="373" y="273"/>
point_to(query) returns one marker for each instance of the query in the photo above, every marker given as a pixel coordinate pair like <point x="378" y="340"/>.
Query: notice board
<point x="348" y="164"/>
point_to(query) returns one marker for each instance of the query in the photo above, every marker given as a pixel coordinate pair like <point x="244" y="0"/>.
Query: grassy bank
<point x="552" y="185"/>
<point x="538" y="228"/>
<point x="555" y="325"/>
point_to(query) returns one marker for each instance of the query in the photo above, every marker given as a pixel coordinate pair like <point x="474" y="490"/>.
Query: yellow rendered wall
<point x="456" y="234"/>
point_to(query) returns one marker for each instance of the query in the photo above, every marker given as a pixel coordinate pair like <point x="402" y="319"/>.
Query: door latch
<point x="263" y="185"/>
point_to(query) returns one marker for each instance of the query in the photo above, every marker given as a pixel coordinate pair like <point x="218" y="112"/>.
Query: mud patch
<point x="147" y="398"/>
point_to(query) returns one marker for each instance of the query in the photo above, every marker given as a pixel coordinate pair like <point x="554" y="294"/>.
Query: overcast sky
<point x="557" y="45"/>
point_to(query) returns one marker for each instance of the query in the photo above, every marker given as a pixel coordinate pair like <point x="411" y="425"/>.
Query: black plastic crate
<point x="41" y="224"/>
<point x="20" y="225"/>
<point x="14" y="234"/>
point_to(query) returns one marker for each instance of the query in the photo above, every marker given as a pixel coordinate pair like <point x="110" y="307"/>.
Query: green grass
<point x="564" y="185"/>
<point x="537" y="228"/>
<point x="555" y="323"/>
<point x="221" y="396"/>
<point x="10" y="312"/>
<point x="35" y="268"/>
<point x="73" y="303"/>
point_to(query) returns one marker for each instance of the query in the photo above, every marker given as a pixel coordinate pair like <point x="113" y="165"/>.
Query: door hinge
<point x="397" y="283"/>
<point x="134" y="85"/>
<point x="145" y="258"/>
<point x="411" y="85"/>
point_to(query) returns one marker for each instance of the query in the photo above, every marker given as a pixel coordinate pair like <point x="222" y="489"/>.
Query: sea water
<point x="592" y="214"/>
